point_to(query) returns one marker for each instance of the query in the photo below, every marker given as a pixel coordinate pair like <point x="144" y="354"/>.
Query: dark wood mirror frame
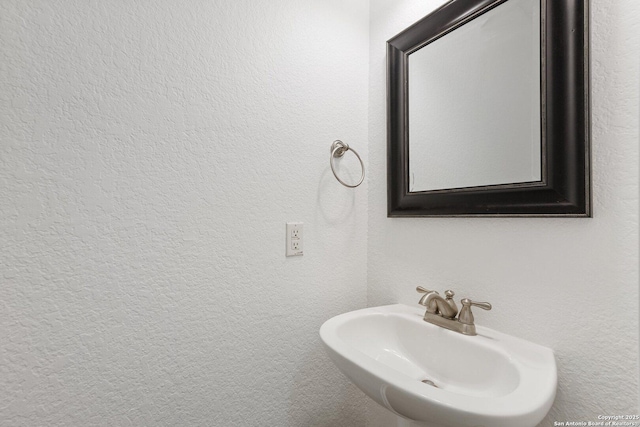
<point x="565" y="188"/>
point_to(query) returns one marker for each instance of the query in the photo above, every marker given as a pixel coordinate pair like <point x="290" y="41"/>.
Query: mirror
<point x="488" y="111"/>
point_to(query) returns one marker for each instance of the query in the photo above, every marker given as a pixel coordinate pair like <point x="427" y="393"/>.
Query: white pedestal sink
<point x="426" y="373"/>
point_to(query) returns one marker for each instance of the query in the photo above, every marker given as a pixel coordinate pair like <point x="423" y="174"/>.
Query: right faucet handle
<point x="466" y="316"/>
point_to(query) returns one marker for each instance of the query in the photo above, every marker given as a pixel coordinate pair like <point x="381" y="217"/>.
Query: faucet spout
<point x="437" y="305"/>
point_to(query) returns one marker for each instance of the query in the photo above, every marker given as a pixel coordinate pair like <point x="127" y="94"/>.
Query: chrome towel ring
<point x="338" y="148"/>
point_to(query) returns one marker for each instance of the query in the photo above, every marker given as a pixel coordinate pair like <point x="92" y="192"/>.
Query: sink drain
<point x="429" y="382"/>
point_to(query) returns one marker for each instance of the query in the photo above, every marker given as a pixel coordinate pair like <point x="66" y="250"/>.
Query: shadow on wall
<point x="341" y="404"/>
<point x="336" y="203"/>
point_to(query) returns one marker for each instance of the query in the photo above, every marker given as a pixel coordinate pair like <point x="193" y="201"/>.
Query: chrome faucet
<point x="442" y="311"/>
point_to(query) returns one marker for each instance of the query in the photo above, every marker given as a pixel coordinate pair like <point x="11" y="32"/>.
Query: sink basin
<point x="426" y="373"/>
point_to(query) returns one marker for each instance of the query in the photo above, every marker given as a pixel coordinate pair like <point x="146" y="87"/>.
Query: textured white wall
<point x="569" y="284"/>
<point x="150" y="155"/>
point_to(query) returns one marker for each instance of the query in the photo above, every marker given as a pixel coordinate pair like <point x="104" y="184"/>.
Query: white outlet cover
<point x="294" y="239"/>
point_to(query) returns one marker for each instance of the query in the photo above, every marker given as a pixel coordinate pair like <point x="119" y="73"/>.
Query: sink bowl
<point x="426" y="373"/>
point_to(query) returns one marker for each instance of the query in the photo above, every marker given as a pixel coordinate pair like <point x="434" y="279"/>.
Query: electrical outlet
<point x="294" y="239"/>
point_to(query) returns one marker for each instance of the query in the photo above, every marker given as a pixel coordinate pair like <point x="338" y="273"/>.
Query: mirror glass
<point x="474" y="116"/>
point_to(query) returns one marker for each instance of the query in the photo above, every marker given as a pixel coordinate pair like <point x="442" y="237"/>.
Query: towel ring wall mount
<point x="338" y="148"/>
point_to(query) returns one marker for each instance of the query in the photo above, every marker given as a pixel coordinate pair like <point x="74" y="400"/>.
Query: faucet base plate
<point x="451" y="324"/>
